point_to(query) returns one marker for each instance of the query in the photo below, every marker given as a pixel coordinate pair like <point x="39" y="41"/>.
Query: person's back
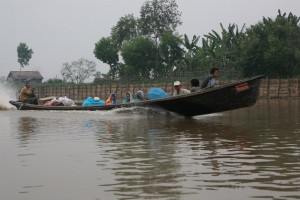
<point x="211" y="81"/>
<point x="139" y="96"/>
<point x="195" y="85"/>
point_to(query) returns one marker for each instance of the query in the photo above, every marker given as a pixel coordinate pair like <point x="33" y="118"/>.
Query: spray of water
<point x="7" y="93"/>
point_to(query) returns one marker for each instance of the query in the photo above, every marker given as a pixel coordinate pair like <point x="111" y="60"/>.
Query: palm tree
<point x="191" y="48"/>
<point x="223" y="49"/>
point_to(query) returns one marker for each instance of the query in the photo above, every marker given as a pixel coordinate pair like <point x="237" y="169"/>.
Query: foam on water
<point x="6" y="93"/>
<point x="131" y="112"/>
<point x="143" y="111"/>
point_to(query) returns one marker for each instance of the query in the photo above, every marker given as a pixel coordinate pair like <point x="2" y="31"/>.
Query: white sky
<point x="60" y="31"/>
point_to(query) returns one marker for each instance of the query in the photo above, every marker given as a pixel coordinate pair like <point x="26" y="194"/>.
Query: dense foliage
<point x="272" y="47"/>
<point x="150" y="46"/>
<point x="159" y="16"/>
<point x="139" y="56"/>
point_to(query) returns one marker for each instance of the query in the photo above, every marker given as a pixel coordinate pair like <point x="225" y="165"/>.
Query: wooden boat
<point x="230" y="96"/>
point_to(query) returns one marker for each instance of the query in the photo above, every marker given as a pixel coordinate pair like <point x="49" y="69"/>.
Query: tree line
<point x="149" y="47"/>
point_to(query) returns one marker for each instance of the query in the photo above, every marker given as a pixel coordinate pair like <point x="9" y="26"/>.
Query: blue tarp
<point x="156" y="93"/>
<point x="92" y="102"/>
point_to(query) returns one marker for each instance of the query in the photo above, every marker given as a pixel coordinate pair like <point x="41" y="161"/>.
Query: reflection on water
<point x="27" y="127"/>
<point x="251" y="153"/>
<point x="143" y="159"/>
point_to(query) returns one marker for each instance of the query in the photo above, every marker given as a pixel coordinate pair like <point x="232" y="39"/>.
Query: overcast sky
<point x="60" y="31"/>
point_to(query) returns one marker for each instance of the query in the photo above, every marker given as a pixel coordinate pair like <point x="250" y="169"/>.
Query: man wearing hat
<point x="179" y="90"/>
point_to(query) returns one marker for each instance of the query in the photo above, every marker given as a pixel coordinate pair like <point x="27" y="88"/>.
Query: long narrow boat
<point x="230" y="96"/>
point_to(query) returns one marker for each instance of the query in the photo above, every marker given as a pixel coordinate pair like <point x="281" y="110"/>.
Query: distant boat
<point x="226" y="97"/>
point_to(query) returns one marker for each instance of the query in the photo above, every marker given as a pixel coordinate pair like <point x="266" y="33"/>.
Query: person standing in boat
<point x="112" y="100"/>
<point x="195" y="85"/>
<point x="211" y="81"/>
<point x="27" y="94"/>
<point x="179" y="90"/>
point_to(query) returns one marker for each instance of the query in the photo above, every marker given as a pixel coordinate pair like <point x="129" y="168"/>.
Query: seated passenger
<point x="179" y="90"/>
<point x="112" y="100"/>
<point x="139" y="96"/>
<point x="211" y="81"/>
<point x="128" y="98"/>
<point x="27" y="94"/>
<point x="195" y="85"/>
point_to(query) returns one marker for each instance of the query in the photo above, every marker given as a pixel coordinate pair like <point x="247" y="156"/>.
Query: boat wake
<point x="131" y="112"/>
<point x="6" y="93"/>
<point x="144" y="111"/>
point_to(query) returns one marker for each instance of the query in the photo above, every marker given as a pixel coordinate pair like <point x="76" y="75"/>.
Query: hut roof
<point x="25" y="75"/>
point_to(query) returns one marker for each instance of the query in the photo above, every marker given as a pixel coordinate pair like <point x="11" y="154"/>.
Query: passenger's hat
<point x="177" y="83"/>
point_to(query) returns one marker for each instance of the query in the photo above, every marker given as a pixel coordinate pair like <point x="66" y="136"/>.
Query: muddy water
<point x="251" y="153"/>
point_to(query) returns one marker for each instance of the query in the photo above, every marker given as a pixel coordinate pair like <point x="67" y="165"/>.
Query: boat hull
<point x="212" y="100"/>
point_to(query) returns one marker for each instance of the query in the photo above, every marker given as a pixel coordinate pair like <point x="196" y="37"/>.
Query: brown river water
<point x="249" y="153"/>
